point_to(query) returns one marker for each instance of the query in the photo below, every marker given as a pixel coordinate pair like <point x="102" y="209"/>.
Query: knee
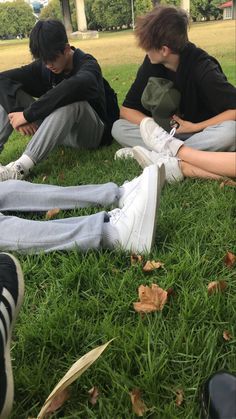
<point x="116" y="128"/>
<point x="228" y="131"/>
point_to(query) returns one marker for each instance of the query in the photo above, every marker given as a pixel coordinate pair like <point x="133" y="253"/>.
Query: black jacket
<point x="205" y="91"/>
<point x="84" y="83"/>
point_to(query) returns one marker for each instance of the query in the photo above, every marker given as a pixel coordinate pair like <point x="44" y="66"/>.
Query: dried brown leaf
<point x="179" y="396"/>
<point x="170" y="291"/>
<point x="227" y="335"/>
<point x="151" y="299"/>
<point x="151" y="265"/>
<point x="52" y="213"/>
<point x="58" y="401"/>
<point x="227" y="182"/>
<point x="229" y="259"/>
<point x="135" y="259"/>
<point x="216" y="286"/>
<point x="139" y="407"/>
<point x="93" y="395"/>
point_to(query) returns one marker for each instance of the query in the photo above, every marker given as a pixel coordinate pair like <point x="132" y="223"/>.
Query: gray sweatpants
<point x="76" y="125"/>
<point x="221" y="137"/>
<point x="28" y="236"/>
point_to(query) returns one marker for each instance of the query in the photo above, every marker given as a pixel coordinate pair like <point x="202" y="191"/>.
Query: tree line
<point x="17" y="18"/>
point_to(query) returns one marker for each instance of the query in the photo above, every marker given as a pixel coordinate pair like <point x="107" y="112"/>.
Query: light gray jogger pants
<point x="28" y="236"/>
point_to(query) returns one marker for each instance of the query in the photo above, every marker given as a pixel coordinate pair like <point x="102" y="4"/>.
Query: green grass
<point x="74" y="302"/>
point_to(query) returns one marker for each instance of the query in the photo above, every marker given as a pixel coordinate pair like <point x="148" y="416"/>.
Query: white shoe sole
<point x="10" y="382"/>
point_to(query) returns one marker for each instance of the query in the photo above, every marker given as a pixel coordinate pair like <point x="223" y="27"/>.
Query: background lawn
<point x="74" y="302"/>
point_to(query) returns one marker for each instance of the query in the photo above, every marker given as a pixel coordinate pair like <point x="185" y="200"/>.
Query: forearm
<point x="228" y="115"/>
<point x="131" y="115"/>
<point x="220" y="163"/>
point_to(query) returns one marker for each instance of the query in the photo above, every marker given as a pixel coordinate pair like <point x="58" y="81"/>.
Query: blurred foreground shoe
<point x="11" y="297"/>
<point x="218" y="396"/>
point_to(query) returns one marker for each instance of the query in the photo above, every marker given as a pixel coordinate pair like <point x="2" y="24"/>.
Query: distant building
<point x="227" y="9"/>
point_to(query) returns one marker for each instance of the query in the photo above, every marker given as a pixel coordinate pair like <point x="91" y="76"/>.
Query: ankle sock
<point x="110" y="236"/>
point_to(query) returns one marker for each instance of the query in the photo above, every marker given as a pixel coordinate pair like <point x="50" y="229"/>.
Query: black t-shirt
<point x="205" y="91"/>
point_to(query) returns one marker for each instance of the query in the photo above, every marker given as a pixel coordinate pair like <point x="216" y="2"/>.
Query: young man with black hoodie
<point x="205" y="114"/>
<point x="71" y="108"/>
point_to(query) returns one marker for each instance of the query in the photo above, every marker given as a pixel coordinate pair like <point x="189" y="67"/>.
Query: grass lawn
<point x="74" y="302"/>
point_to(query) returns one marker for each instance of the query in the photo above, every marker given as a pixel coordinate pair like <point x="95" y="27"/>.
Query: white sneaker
<point x="124" y="153"/>
<point x="128" y="191"/>
<point x="142" y="156"/>
<point x="11" y="171"/>
<point x="135" y="223"/>
<point x="158" y="139"/>
<point x="173" y="171"/>
<point x="146" y="158"/>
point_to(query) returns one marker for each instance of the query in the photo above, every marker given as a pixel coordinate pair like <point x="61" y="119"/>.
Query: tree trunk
<point x="65" y="8"/>
<point x="81" y="18"/>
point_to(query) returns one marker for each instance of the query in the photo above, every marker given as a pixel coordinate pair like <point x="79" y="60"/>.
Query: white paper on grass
<point x="77" y="369"/>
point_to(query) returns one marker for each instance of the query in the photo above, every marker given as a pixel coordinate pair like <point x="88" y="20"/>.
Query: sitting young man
<point x="71" y="108"/>
<point x="206" y="112"/>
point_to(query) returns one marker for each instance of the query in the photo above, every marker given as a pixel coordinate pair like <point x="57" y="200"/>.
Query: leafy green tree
<point x="112" y="13"/>
<point x="16" y="18"/>
<point x="206" y="9"/>
<point x="142" y="6"/>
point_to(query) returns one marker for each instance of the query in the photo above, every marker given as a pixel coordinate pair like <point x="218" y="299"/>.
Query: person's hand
<point x="17" y="119"/>
<point x="28" y="129"/>
<point x="185" y="126"/>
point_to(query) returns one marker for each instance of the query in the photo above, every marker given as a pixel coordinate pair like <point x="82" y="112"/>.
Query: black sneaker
<point x="11" y="297"/>
<point x="218" y="396"/>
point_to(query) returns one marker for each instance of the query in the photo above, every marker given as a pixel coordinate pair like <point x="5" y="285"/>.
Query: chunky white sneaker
<point x="142" y="156"/>
<point x="11" y="171"/>
<point x="172" y="168"/>
<point x="124" y="153"/>
<point x="135" y="222"/>
<point x="158" y="139"/>
<point x="128" y="191"/>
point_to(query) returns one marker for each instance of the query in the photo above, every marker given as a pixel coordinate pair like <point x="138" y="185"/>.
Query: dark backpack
<point x="112" y="107"/>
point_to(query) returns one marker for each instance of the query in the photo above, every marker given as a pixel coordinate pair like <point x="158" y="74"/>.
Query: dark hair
<point x="164" y="25"/>
<point x="48" y="39"/>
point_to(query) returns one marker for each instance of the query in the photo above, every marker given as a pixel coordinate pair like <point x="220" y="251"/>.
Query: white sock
<point x="25" y="162"/>
<point x="110" y="236"/>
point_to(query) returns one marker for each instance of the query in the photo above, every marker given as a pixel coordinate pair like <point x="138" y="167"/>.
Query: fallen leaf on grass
<point x="139" y="407"/>
<point x="216" y="286"/>
<point x="229" y="259"/>
<point x="52" y="213"/>
<point x="151" y="299"/>
<point x="227" y="182"/>
<point x="93" y="395"/>
<point x="227" y="335"/>
<point x="135" y="259"/>
<point x="179" y="396"/>
<point x="151" y="265"/>
<point x="58" y="401"/>
<point x="77" y="369"/>
<point x="170" y="291"/>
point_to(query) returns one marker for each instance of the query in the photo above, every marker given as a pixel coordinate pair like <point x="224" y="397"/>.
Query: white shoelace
<point x="162" y="134"/>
